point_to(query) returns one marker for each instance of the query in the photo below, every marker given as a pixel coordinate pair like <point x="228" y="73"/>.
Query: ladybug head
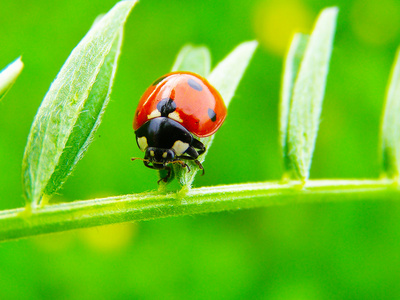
<point x="159" y="156"/>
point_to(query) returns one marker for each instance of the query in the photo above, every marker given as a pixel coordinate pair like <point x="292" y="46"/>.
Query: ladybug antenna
<point x="138" y="158"/>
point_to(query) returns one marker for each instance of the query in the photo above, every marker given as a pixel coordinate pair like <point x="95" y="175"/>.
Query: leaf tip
<point x="19" y="63"/>
<point x="12" y="71"/>
<point x="330" y="12"/>
<point x="9" y="75"/>
<point x="251" y="45"/>
<point x="129" y="3"/>
<point x="332" y="9"/>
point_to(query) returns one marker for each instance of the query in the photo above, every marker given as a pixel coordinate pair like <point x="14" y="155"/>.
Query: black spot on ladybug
<point x="166" y="106"/>
<point x="159" y="80"/>
<point x="195" y="85"/>
<point x="212" y="115"/>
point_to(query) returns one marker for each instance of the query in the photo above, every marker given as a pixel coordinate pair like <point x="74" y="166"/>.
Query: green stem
<point x="20" y="222"/>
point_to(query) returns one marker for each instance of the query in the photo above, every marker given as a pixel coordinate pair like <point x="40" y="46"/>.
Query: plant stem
<point x="21" y="222"/>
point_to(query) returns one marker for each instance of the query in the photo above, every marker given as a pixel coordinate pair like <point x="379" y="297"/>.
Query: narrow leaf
<point x="308" y="93"/>
<point x="88" y="121"/>
<point x="291" y="68"/>
<point x="72" y="108"/>
<point x="9" y="75"/>
<point x="196" y="59"/>
<point x="193" y="59"/>
<point x="225" y="77"/>
<point x="390" y="132"/>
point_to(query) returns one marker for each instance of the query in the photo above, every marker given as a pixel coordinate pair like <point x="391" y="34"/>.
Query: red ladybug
<point x="172" y="114"/>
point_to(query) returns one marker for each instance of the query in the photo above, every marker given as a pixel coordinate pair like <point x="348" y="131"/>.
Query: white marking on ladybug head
<point x="175" y="116"/>
<point x="151" y="152"/>
<point x="142" y="142"/>
<point x="164" y="155"/>
<point x="180" y="147"/>
<point x="154" y="114"/>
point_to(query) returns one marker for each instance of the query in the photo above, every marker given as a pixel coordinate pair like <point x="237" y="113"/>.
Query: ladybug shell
<point x="192" y="102"/>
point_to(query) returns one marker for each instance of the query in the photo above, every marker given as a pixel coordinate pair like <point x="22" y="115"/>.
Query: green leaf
<point x="291" y="68"/>
<point x="225" y="77"/>
<point x="308" y="94"/>
<point x="72" y="108"/>
<point x="390" y="131"/>
<point x="9" y="75"/>
<point x="193" y="59"/>
<point x="196" y="59"/>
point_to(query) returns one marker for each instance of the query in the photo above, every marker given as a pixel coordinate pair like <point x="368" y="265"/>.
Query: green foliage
<point x="9" y="75"/>
<point x="291" y="69"/>
<point x="333" y="247"/>
<point x="390" y="133"/>
<point x="196" y="59"/>
<point x="72" y="109"/>
<point x="307" y="95"/>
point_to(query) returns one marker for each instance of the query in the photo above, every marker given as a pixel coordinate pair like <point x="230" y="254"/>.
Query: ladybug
<point x="173" y="113"/>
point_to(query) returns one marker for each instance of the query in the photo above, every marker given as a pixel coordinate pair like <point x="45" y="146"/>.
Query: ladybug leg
<point x="193" y="156"/>
<point x="200" y="166"/>
<point x="146" y="163"/>
<point x="182" y="163"/>
<point x="165" y="179"/>
<point x="197" y="163"/>
<point x="198" y="145"/>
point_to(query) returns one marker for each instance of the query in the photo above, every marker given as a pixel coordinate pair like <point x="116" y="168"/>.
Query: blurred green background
<point x="301" y="251"/>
